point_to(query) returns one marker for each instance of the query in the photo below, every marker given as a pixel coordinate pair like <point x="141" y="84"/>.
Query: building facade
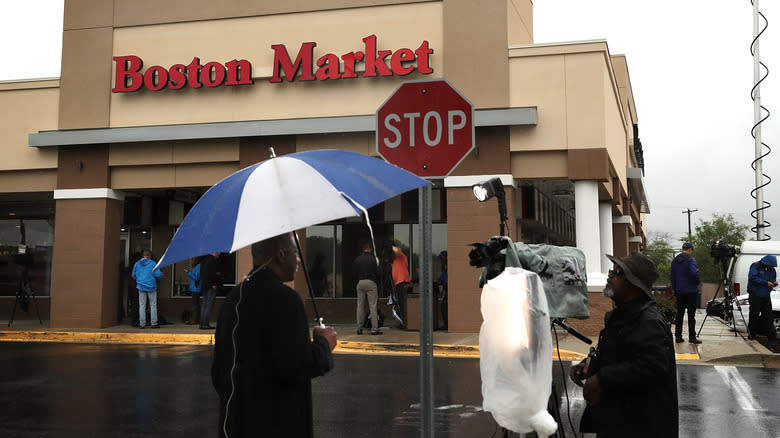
<point x="157" y="101"/>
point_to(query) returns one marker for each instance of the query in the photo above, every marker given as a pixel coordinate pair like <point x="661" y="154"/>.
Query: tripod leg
<point x="13" y="312"/>
<point x="725" y="301"/>
<point x="38" y="312"/>
<point x="702" y="324"/>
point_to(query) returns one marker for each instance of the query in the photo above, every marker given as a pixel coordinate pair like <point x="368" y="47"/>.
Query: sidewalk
<point x="720" y="345"/>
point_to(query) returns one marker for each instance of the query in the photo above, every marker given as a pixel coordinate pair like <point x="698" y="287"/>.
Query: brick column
<point x="85" y="273"/>
<point x="470" y="221"/>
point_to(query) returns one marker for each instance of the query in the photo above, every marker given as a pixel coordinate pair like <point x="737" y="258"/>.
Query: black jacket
<point x="365" y="268"/>
<point x="275" y="363"/>
<point x="208" y="273"/>
<point x="637" y="371"/>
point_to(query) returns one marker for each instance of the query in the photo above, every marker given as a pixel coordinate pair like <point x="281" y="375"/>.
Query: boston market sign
<point x="400" y="62"/>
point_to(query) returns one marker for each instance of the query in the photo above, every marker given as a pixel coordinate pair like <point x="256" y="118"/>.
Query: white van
<point x="750" y="252"/>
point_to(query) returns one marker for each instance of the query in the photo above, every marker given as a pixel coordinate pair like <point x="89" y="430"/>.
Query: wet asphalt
<point x="103" y="390"/>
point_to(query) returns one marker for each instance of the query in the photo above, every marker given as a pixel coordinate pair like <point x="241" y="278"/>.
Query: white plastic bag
<point x="515" y="348"/>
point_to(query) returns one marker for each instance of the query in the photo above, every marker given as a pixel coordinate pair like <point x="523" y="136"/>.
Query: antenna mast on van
<point x="758" y="119"/>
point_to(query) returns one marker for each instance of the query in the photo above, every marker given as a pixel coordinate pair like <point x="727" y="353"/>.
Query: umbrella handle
<point x="306" y="274"/>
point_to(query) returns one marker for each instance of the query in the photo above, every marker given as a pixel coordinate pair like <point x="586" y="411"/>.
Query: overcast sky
<point x="691" y="72"/>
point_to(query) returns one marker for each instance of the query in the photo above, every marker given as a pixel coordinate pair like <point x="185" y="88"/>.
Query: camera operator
<point x="685" y="285"/>
<point x="630" y="383"/>
<point x="762" y="278"/>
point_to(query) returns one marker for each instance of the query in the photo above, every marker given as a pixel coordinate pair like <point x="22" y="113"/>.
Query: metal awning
<point x="636" y="185"/>
<point x="254" y="128"/>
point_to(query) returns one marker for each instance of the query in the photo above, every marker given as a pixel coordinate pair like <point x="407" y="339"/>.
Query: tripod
<point x="728" y="298"/>
<point x="22" y="292"/>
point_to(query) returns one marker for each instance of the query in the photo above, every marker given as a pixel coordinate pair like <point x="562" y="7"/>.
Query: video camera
<point x="721" y="250"/>
<point x="488" y="255"/>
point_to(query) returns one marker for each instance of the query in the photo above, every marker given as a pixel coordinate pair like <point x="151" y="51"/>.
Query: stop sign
<point x="425" y="127"/>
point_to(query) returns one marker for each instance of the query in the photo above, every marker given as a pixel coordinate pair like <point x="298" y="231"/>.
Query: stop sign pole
<point x="425" y="127"/>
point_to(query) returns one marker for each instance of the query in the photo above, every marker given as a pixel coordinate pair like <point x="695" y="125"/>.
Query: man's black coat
<point x="275" y="362"/>
<point x="638" y="375"/>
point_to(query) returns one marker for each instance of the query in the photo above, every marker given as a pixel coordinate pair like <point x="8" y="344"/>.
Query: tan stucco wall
<point x="395" y="26"/>
<point x="139" y="12"/>
<point x="616" y="133"/>
<point x="192" y="151"/>
<point x="28" y="106"/>
<point x="577" y="100"/>
<point x="520" y="22"/>
<point x="170" y="176"/>
<point x="360" y="142"/>
<point x="475" y="62"/>
<point x="620" y="67"/>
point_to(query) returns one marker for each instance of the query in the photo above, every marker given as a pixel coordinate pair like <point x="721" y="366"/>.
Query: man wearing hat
<point x="685" y="285"/>
<point x="630" y="381"/>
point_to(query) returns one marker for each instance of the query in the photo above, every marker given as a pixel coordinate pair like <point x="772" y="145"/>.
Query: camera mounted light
<point x="487" y="189"/>
<point x="492" y="188"/>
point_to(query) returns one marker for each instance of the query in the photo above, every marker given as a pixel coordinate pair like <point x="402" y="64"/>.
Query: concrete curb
<point x="343" y="347"/>
<point x="763" y="360"/>
<point x="106" y="337"/>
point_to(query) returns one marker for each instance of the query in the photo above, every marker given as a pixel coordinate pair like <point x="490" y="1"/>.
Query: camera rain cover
<point x="561" y="268"/>
<point x="515" y="348"/>
<point x="565" y="280"/>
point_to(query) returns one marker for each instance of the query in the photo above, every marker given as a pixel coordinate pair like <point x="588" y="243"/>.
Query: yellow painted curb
<point x="687" y="356"/>
<point x="107" y="337"/>
<point x="439" y="350"/>
<point x="343" y="347"/>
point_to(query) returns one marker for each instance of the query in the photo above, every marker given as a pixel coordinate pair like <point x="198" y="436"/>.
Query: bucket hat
<point x="639" y="270"/>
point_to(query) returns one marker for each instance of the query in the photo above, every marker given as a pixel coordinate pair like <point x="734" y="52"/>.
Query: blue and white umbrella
<point x="284" y="194"/>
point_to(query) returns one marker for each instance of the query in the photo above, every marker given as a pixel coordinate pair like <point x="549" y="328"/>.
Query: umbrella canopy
<point x="284" y="194"/>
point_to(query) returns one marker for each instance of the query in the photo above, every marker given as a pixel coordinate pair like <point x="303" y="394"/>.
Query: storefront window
<point x="438" y="244"/>
<point x="26" y="252"/>
<point x="226" y="269"/>
<point x="403" y="234"/>
<point x="323" y="260"/>
<point x="331" y="248"/>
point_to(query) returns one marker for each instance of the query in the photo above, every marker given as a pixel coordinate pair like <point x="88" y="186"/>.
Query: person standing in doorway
<point x="402" y="282"/>
<point x="685" y="285"/>
<point x="194" y="287"/>
<point x="209" y="280"/>
<point x="366" y="275"/>
<point x="762" y="278"/>
<point x="442" y="282"/>
<point x="146" y="278"/>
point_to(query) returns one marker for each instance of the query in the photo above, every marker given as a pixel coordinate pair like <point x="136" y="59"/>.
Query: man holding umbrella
<point x="264" y="357"/>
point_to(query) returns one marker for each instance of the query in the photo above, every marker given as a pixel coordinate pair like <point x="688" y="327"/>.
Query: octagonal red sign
<point x="425" y="127"/>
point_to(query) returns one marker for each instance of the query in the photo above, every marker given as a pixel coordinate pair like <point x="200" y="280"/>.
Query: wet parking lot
<point x="85" y="390"/>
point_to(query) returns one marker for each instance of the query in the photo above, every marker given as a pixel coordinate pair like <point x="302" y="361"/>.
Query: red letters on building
<point x="194" y="75"/>
<point x="401" y="62"/>
<point x="376" y="62"/>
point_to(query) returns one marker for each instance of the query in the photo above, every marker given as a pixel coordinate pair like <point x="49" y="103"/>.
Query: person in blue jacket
<point x="194" y="288"/>
<point x="762" y="278"/>
<point x="685" y="285"/>
<point x="146" y="278"/>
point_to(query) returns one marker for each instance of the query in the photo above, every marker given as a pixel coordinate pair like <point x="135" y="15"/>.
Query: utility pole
<point x="688" y="212"/>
